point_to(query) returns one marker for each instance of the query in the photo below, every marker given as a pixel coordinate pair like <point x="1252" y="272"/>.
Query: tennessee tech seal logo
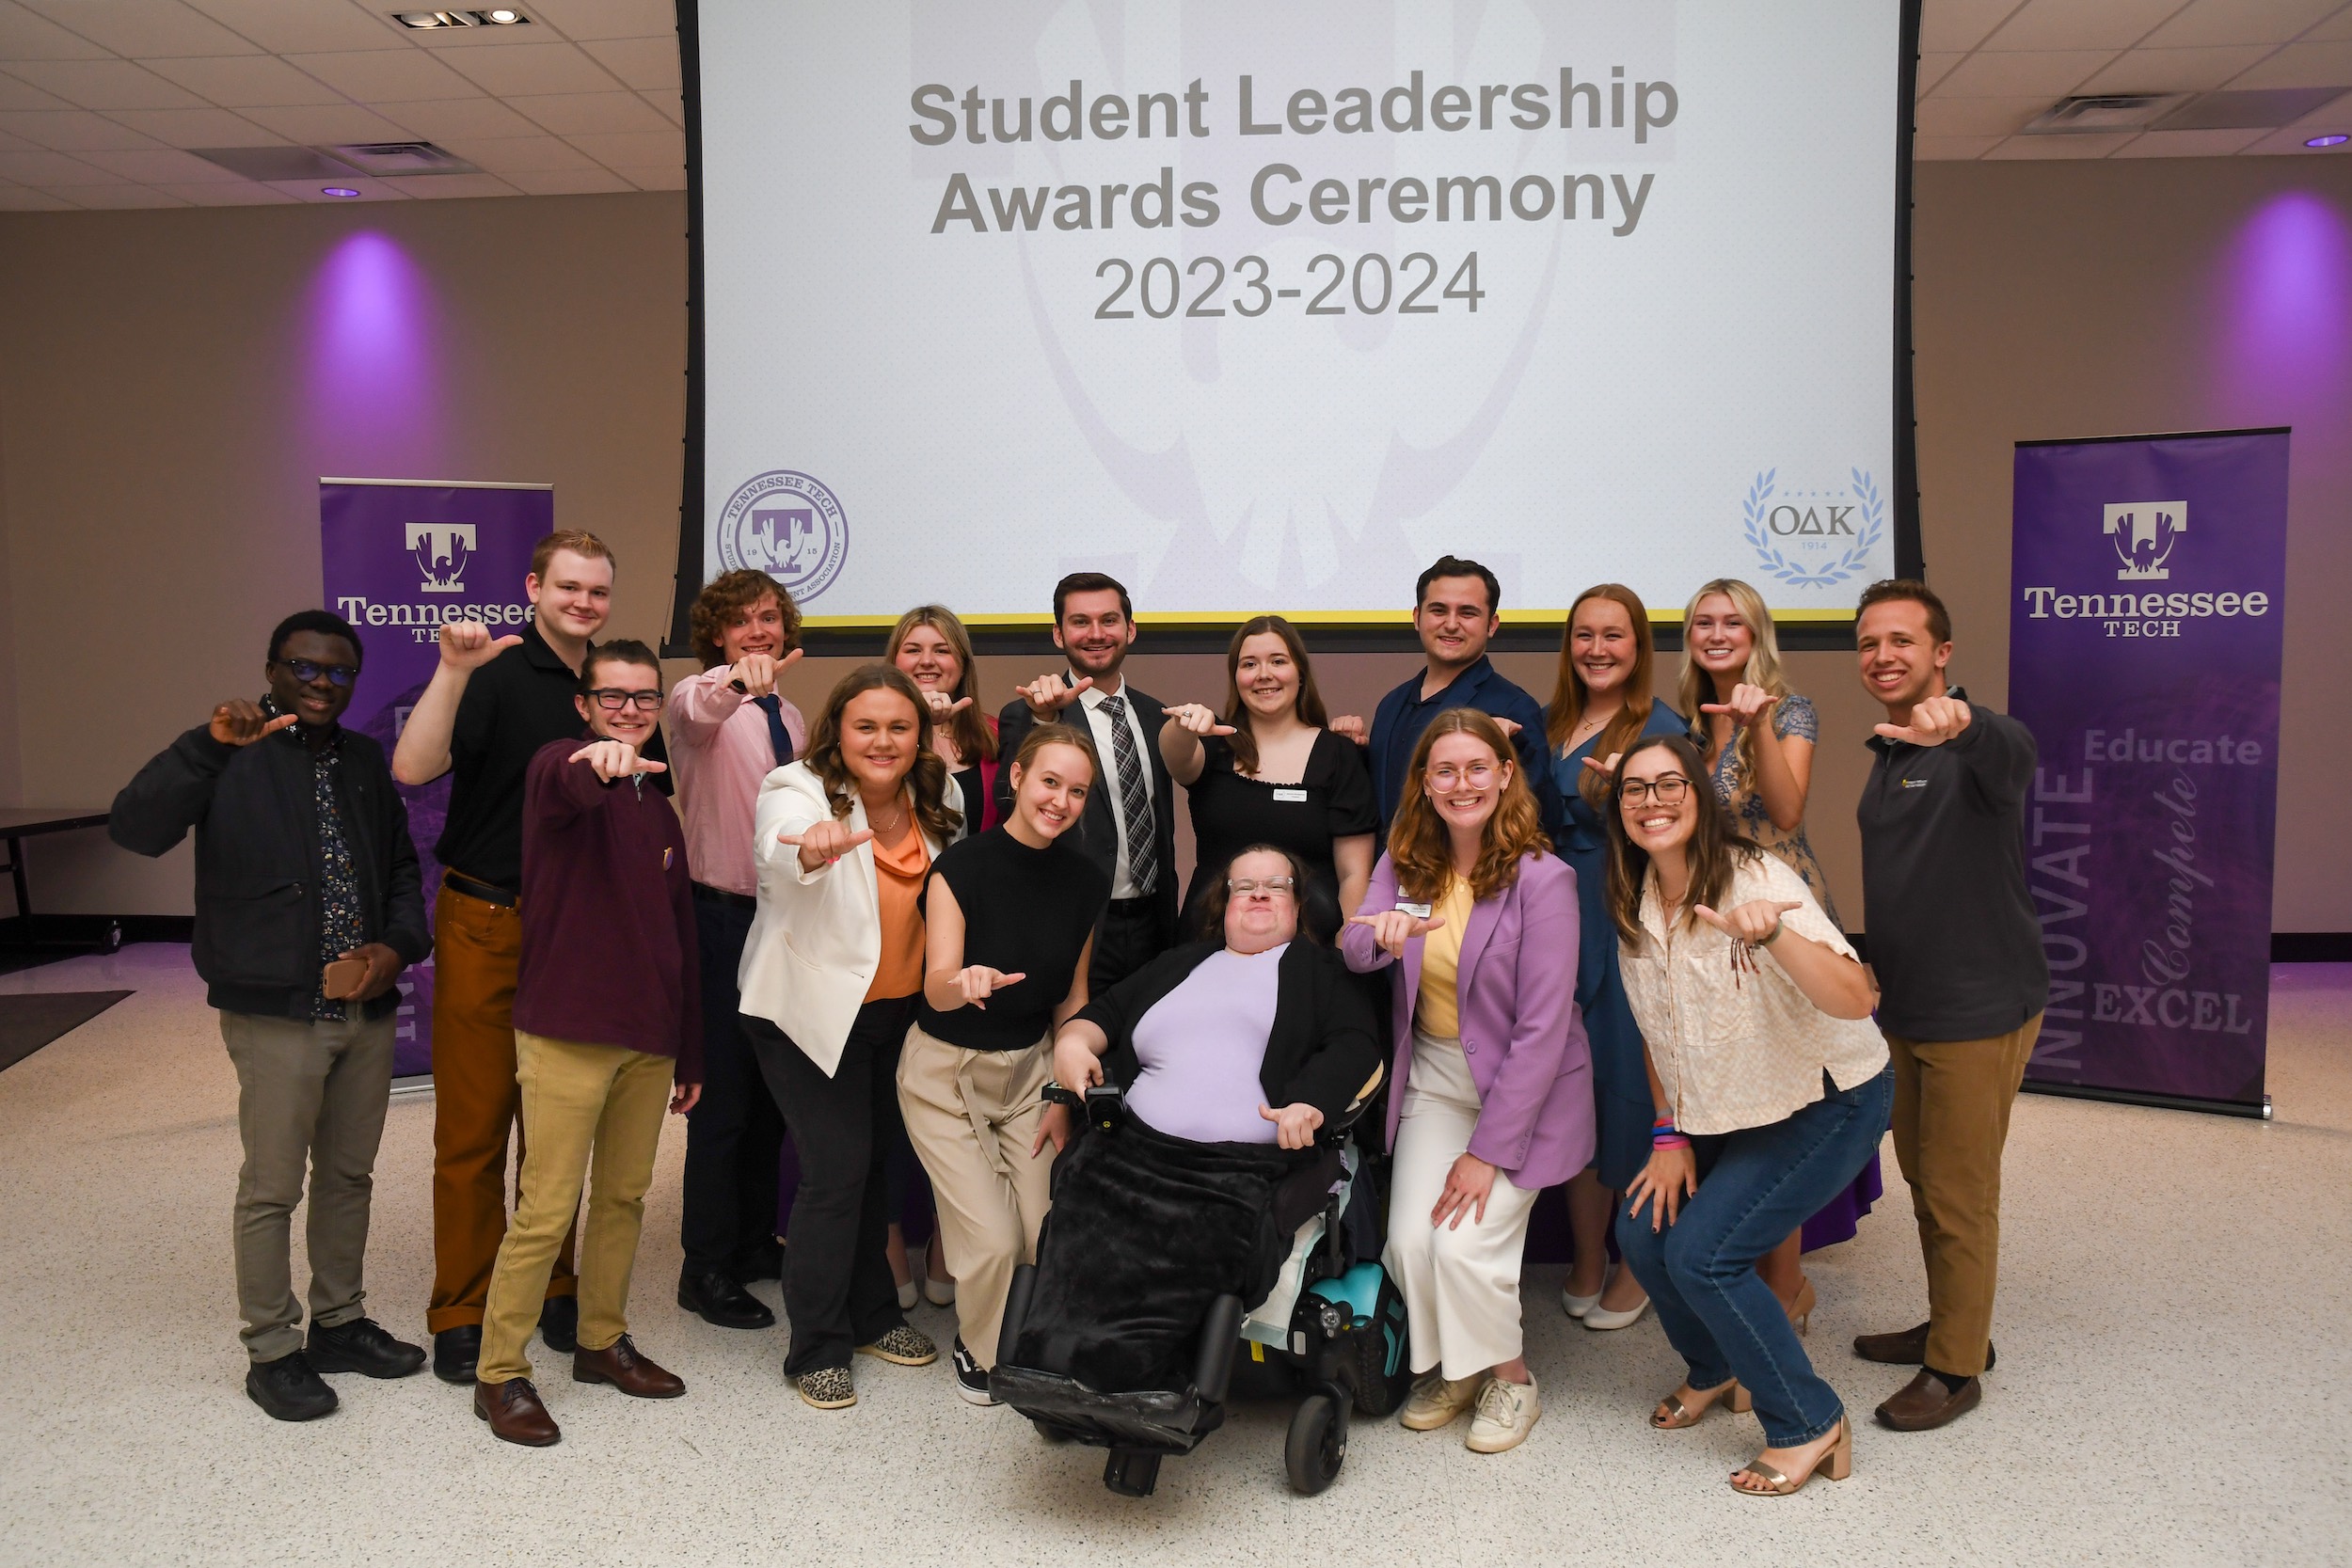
<point x="786" y="524"/>
<point x="2144" y="534"/>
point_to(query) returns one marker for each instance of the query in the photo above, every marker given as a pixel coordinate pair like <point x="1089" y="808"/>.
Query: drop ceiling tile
<point x="2174" y="70"/>
<point x="2081" y="23"/>
<point x="445" y="187"/>
<point x="326" y="125"/>
<point x="2190" y="144"/>
<point x="2335" y="114"/>
<point x="105" y="196"/>
<point x="574" y="113"/>
<point x="2049" y="75"/>
<point x="1960" y="25"/>
<point x="245" y="81"/>
<point x="71" y="131"/>
<point x="286" y="28"/>
<point x="139" y="28"/>
<point x="26" y="37"/>
<point x="197" y="127"/>
<point x="314" y="191"/>
<point x="522" y="154"/>
<point x="52" y="168"/>
<point x="647" y="64"/>
<point x="2336" y="26"/>
<point x="2054" y="149"/>
<point x="1950" y="148"/>
<point x="447" y="118"/>
<point x="510" y="69"/>
<point x="570" y="181"/>
<point x="2222" y="22"/>
<point x="22" y="199"/>
<point x="2290" y="141"/>
<point x="165" y="166"/>
<point x="23" y="95"/>
<point x="1934" y="68"/>
<point x="229" y="193"/>
<point x="2302" y="65"/>
<point x="605" y="19"/>
<point x="636" y="148"/>
<point x="660" y="178"/>
<point x="670" y="105"/>
<point x="384" y="75"/>
<point x="18" y="143"/>
<point x="1975" y="116"/>
<point x="105" y="85"/>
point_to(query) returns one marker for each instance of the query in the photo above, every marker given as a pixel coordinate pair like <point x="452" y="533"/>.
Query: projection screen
<point x="1264" y="307"/>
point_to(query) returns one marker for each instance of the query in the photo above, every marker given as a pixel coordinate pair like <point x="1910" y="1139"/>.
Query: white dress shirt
<point x="1099" y="723"/>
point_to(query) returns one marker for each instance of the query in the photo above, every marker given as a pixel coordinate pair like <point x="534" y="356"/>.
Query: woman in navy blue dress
<point x="1601" y="706"/>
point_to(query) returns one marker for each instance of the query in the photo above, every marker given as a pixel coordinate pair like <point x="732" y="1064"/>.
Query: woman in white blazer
<point x="831" y="974"/>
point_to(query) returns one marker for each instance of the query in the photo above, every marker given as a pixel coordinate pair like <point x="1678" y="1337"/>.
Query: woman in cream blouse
<point x="1771" y="1087"/>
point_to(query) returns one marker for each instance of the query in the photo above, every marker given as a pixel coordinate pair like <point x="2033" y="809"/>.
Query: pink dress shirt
<point x="718" y="745"/>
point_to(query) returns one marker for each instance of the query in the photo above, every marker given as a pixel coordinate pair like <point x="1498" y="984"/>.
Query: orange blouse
<point x="898" y="876"/>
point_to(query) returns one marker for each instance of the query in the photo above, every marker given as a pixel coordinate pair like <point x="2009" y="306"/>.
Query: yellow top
<point x="1438" y="1011"/>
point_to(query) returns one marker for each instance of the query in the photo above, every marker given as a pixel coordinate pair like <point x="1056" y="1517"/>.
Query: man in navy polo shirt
<point x="1455" y="611"/>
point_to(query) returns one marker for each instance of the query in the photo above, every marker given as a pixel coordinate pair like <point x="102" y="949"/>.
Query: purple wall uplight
<point x="2286" y="313"/>
<point x="375" y="401"/>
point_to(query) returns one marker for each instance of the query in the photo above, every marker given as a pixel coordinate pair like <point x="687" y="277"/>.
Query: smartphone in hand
<point x="342" y="977"/>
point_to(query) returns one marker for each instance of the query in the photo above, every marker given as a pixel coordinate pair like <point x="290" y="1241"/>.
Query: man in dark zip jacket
<point x="308" y="906"/>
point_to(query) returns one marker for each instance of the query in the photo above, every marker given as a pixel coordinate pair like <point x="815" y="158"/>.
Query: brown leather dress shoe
<point x="1906" y="1349"/>
<point x="514" y="1412"/>
<point x="1925" y="1403"/>
<point x="620" y="1365"/>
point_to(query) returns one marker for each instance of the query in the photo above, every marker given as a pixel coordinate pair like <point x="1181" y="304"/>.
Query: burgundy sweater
<point x="608" y="915"/>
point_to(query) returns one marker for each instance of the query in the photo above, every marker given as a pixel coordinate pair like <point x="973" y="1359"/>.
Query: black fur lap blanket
<point x="1145" y="1231"/>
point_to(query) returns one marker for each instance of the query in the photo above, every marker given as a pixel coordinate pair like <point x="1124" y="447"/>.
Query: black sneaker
<point x="558" y="1323"/>
<point x="290" y="1388"/>
<point x="455" y="1353"/>
<point x="971" y="1377"/>
<point x="361" y="1346"/>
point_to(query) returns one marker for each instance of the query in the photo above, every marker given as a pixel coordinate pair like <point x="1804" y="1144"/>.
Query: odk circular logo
<point x="788" y="525"/>
<point x="1813" y="538"/>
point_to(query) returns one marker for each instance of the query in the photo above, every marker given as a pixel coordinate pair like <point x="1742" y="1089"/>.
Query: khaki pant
<point x="476" y="948"/>
<point x="582" y="1101"/>
<point x="971" y="1116"/>
<point x="1951" y="1119"/>
<point x="307" y="1093"/>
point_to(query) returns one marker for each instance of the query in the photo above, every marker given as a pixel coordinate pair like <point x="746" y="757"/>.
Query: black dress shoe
<point x="361" y="1346"/>
<point x="456" y="1352"/>
<point x="289" y="1389"/>
<point x="558" y="1323"/>
<point x="722" y="1302"/>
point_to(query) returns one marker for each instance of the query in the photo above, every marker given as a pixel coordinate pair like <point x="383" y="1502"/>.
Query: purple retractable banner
<point x="401" y="557"/>
<point x="2148" y="576"/>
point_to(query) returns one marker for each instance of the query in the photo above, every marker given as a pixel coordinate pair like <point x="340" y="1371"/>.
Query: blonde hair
<point x="1763" y="669"/>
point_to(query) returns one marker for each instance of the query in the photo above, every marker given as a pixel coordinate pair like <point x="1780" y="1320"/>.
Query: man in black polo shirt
<point x="490" y="706"/>
<point x="1963" y="980"/>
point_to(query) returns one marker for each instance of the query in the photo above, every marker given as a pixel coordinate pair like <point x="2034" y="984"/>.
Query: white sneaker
<point x="1506" y="1411"/>
<point x="1438" y="1402"/>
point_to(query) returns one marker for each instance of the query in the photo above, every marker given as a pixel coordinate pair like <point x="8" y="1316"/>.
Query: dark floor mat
<point x="29" y="1021"/>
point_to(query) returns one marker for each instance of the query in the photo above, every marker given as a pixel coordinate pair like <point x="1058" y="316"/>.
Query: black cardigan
<point x="1323" y="1049"/>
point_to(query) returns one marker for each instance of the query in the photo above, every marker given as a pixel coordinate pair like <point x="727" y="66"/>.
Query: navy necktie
<point x="778" y="737"/>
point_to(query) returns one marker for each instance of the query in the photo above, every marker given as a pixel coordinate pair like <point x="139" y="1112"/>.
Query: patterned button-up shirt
<point x="340" y="924"/>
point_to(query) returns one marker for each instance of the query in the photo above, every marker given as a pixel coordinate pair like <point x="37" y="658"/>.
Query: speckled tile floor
<point x="2174" y="1364"/>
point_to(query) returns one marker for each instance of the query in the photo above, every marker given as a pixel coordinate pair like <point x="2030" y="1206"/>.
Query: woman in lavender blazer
<point x="1492" y="1091"/>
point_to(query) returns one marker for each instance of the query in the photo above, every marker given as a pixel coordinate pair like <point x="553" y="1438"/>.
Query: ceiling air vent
<point x="277" y="162"/>
<point x="381" y="158"/>
<point x="2100" y="113"/>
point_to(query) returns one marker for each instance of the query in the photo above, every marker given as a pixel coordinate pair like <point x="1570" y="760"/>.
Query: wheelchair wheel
<point x="1317" y="1444"/>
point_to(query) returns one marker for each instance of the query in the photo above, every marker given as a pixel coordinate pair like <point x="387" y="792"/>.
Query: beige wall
<point x="158" y="456"/>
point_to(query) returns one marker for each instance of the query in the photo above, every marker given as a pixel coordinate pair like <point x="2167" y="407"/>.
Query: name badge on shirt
<point x="668" y="852"/>
<point x="1914" y="783"/>
<point x="1298" y="795"/>
<point x="1418" y="911"/>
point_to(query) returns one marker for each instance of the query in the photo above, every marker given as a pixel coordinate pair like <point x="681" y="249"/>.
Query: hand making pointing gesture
<point x="1199" y="718"/>
<point x="755" y="675"/>
<point x="824" y="842"/>
<point x="943" y="707"/>
<point x="1048" y="695"/>
<point x="468" y="645"/>
<point x="238" y="723"/>
<point x="615" y="759"/>
<point x="977" y="983"/>
<point x="1392" y="929"/>
<point x="1756" y="922"/>
<point x="1748" y="704"/>
<point x="1933" y="721"/>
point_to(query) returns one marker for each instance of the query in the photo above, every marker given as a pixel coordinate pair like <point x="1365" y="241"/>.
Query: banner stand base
<point x="2161" y="1101"/>
<point x="420" y="1084"/>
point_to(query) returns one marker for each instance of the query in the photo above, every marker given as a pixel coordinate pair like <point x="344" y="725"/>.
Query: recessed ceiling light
<point x="337" y="190"/>
<point x="432" y="18"/>
<point x="503" y="18"/>
<point x="2333" y="138"/>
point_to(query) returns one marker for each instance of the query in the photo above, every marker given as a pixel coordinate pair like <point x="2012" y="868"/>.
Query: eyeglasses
<point x="1667" y="789"/>
<point x="612" y="699"/>
<point x="1246" y="885"/>
<point x="306" y="672"/>
<point x="1478" y="775"/>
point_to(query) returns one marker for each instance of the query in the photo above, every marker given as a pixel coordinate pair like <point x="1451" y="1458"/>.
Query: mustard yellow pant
<point x="582" y="1103"/>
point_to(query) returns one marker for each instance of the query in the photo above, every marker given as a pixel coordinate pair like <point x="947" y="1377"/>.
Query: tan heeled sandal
<point x="1801" y="1310"/>
<point x="1678" y="1415"/>
<point x="1836" y="1463"/>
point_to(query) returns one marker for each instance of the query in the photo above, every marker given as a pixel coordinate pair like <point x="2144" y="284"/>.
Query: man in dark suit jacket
<point x="1129" y="825"/>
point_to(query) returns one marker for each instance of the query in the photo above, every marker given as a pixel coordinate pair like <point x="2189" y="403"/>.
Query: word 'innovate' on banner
<point x="1279" y="193"/>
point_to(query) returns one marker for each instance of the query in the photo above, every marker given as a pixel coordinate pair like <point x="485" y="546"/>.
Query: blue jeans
<point x="1755" y="1186"/>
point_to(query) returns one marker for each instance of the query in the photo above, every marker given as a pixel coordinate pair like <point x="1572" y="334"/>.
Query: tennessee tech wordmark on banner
<point x="2147" y="581"/>
<point x="403" y="556"/>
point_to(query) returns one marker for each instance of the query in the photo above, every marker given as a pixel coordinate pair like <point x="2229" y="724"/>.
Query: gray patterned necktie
<point x="1135" y="803"/>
